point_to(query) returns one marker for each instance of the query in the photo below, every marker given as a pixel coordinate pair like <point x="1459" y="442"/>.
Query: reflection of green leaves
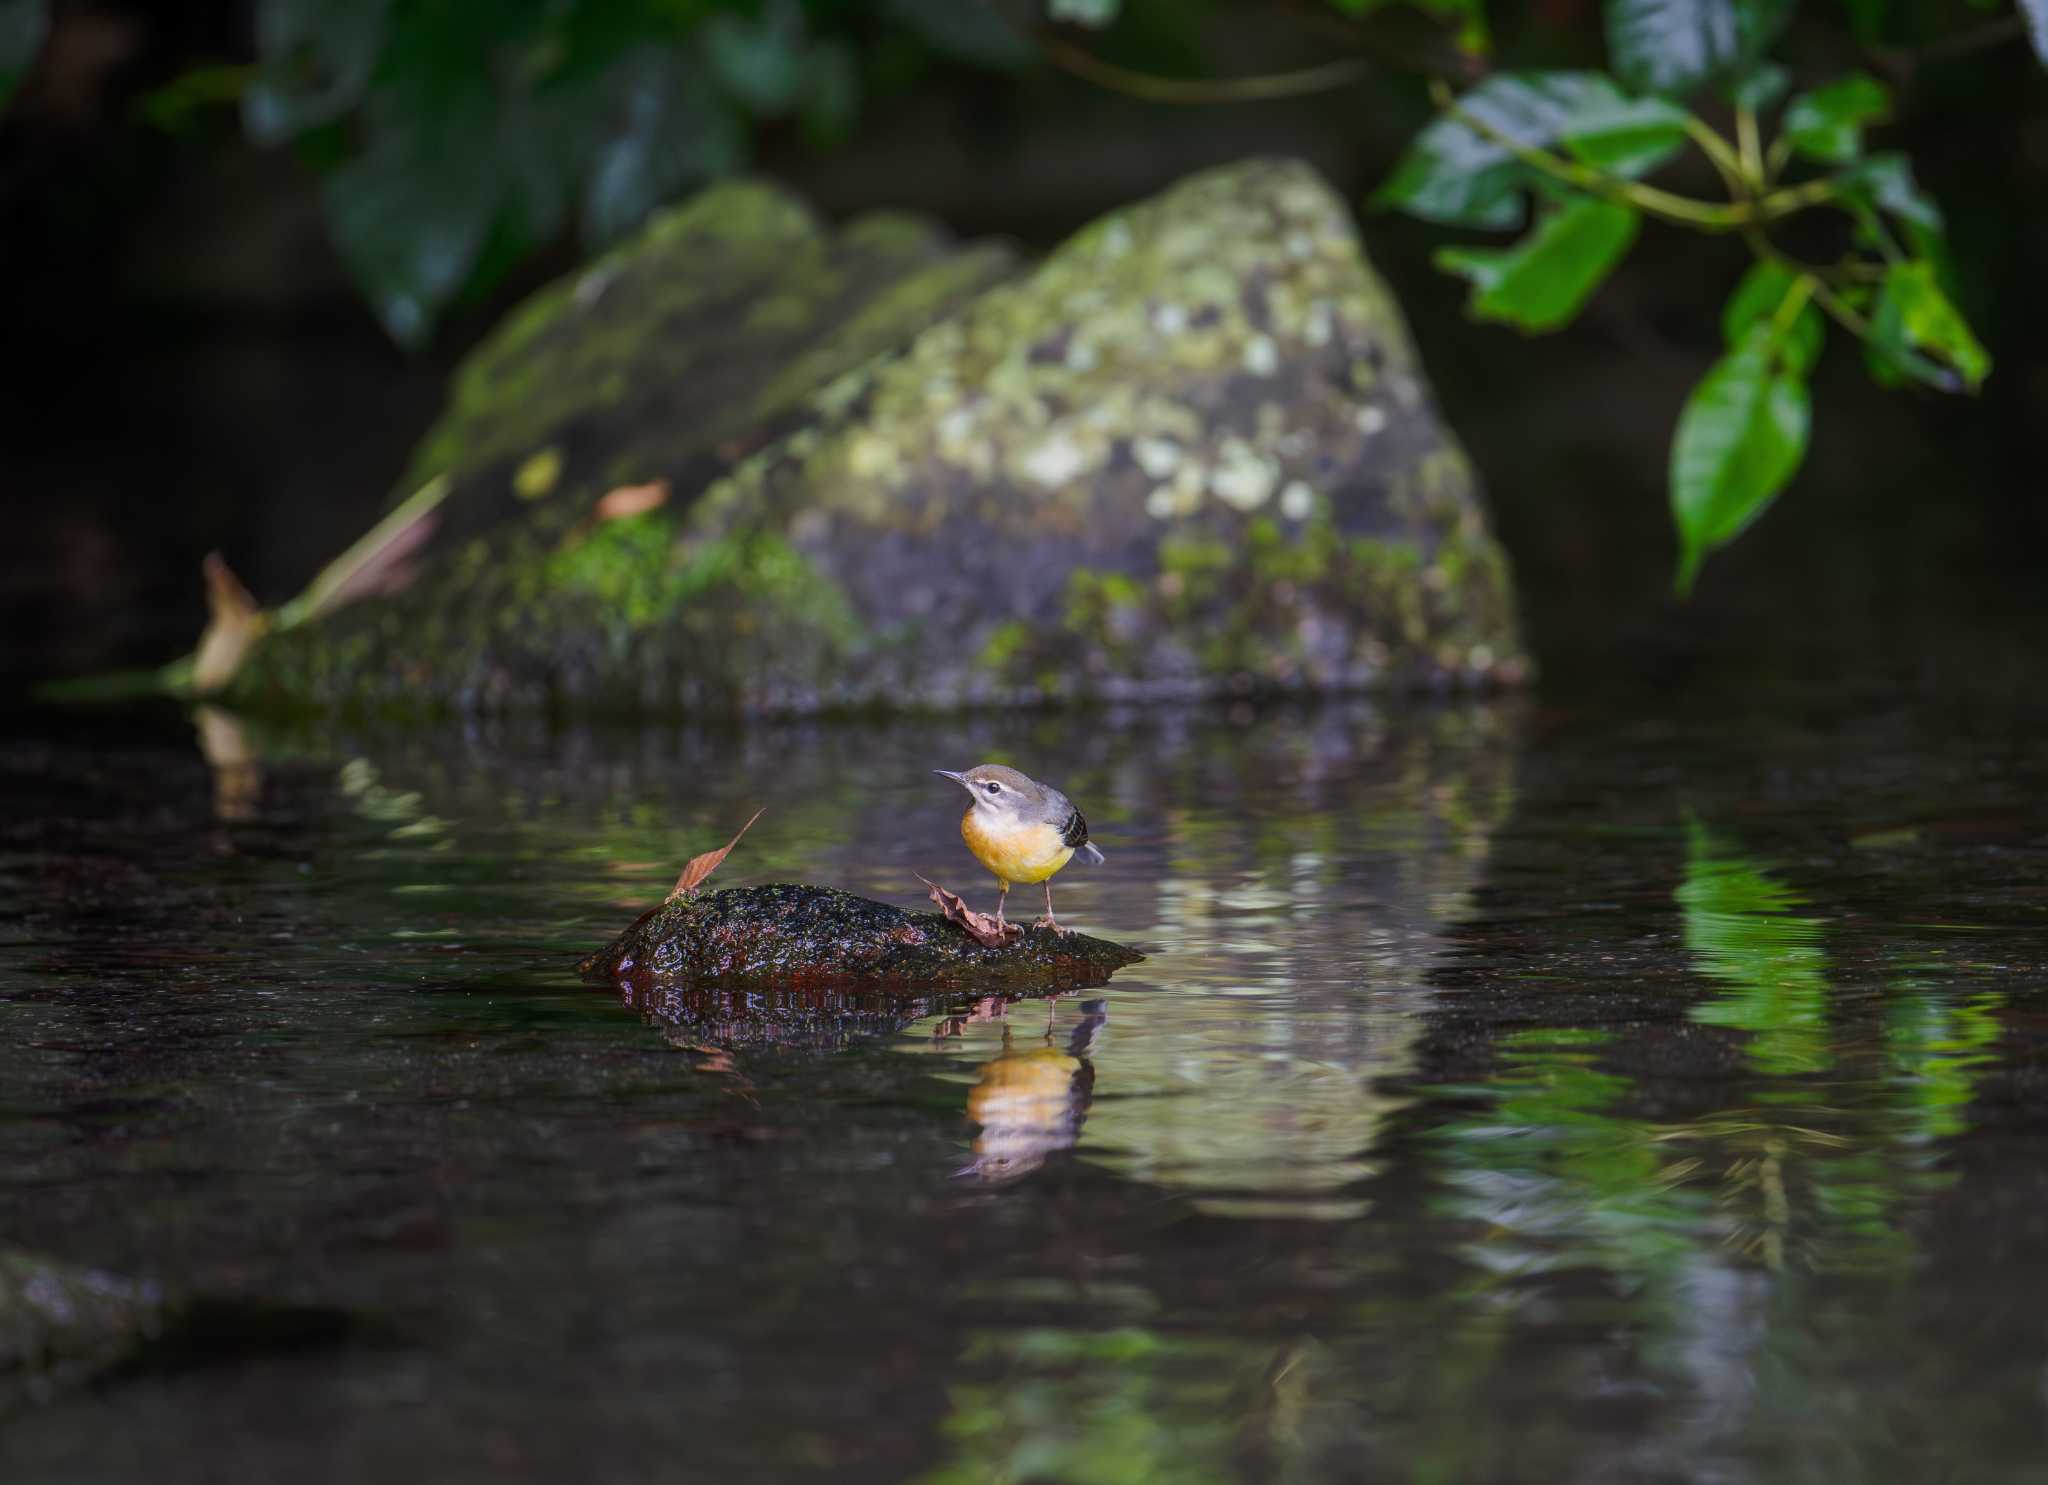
<point x="1740" y="931"/>
<point x="1938" y="1048"/>
<point x="1460" y="175"/>
<point x="1542" y="282"/>
<point x="1828" y="123"/>
<point x="1672" y="46"/>
<point x="1548" y="1159"/>
<point x="23" y="24"/>
<point x="1092" y="1407"/>
<point x="1739" y="441"/>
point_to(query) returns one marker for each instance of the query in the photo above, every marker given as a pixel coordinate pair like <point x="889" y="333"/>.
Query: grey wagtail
<point x="1021" y="830"/>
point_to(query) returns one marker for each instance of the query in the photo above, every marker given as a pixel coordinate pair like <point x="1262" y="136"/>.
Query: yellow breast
<point x="1015" y="853"/>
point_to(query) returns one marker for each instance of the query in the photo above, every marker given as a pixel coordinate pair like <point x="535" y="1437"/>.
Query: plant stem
<point x="1747" y="142"/>
<point x="1718" y="151"/>
<point x="1802" y="289"/>
<point x="1781" y="151"/>
<point x="1198" y="90"/>
<point x="1703" y="216"/>
<point x="1846" y="317"/>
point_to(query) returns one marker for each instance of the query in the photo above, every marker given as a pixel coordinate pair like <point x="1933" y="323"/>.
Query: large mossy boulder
<point x="1191" y="452"/>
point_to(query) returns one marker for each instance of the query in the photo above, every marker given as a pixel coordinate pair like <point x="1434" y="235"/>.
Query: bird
<point x="1020" y="829"/>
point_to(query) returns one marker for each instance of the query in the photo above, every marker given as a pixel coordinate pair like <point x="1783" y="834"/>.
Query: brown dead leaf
<point x="631" y="500"/>
<point x="702" y="866"/>
<point x="233" y="625"/>
<point x="981" y="927"/>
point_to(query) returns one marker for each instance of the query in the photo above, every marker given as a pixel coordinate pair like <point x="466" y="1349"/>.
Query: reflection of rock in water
<point x="797" y="1018"/>
<point x="1033" y="1103"/>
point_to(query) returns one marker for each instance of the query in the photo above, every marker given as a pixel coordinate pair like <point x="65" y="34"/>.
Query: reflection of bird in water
<point x="1032" y="1103"/>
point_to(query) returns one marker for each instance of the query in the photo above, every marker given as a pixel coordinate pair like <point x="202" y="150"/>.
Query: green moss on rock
<point x="1190" y="452"/>
<point x="794" y="935"/>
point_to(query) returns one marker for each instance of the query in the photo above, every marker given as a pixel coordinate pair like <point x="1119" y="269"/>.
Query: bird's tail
<point x="1088" y="850"/>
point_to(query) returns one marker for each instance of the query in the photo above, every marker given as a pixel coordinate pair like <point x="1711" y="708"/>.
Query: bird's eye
<point x="993" y="787"/>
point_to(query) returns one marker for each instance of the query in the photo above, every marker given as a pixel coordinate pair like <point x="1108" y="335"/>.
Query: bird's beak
<point x="947" y="773"/>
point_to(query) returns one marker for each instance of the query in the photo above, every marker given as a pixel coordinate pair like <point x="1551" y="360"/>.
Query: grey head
<point x="1007" y="794"/>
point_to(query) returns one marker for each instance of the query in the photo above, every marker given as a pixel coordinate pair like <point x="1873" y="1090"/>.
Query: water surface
<point x="1508" y="1094"/>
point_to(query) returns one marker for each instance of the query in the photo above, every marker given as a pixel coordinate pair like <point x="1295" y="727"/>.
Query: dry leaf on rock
<point x="981" y="927"/>
<point x="702" y="866"/>
<point x="233" y="625"/>
<point x="631" y="500"/>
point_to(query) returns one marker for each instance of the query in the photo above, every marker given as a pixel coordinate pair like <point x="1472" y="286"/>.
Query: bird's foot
<point x="1048" y="921"/>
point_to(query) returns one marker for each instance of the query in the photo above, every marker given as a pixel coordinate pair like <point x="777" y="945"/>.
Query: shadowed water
<point x="1507" y="1095"/>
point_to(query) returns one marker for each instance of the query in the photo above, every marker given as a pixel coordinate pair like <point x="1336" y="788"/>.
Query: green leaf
<point x="2036" y="12"/>
<point x="1543" y="281"/>
<point x="1739" y="441"/>
<point x="1760" y="87"/>
<point x="1758" y="299"/>
<point x="410" y="230"/>
<point x="1867" y="18"/>
<point x="1458" y="176"/>
<point x="23" y="25"/>
<point x="1672" y="46"/>
<point x="829" y="89"/>
<point x="181" y="103"/>
<point x="1917" y="333"/>
<point x="975" y="34"/>
<point x="1083" y="12"/>
<point x="758" y="59"/>
<point x="1828" y="123"/>
<point x="315" y="61"/>
<point x="1622" y="135"/>
<point x="1884" y="183"/>
<point x="673" y="133"/>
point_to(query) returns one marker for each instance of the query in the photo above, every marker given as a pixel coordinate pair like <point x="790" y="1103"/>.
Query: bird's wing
<point x="1075" y="831"/>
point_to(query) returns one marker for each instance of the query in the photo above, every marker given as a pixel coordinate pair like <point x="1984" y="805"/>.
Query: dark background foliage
<point x="232" y="295"/>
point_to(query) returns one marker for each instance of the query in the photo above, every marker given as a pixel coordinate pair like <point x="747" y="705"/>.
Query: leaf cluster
<point x="456" y="137"/>
<point x="1582" y="146"/>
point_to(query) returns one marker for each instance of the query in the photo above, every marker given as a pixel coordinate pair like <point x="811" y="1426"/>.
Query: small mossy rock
<point x="795" y="936"/>
<point x="1190" y="453"/>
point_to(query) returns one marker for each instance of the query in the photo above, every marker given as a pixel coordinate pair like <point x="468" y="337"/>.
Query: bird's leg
<point x="1049" y="921"/>
<point x="1002" y="891"/>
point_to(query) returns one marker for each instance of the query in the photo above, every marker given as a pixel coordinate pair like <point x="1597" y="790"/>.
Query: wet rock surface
<point x="800" y="937"/>
<point x="1192" y="452"/>
<point x="55" y="1317"/>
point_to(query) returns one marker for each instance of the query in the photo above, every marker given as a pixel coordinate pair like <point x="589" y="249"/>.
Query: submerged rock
<point x="55" y="1317"/>
<point x="1191" y="452"/>
<point x="794" y="937"/>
